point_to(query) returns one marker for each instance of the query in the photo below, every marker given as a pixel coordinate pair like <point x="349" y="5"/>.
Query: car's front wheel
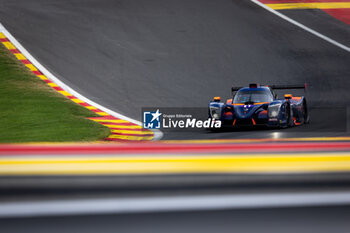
<point x="289" y="116"/>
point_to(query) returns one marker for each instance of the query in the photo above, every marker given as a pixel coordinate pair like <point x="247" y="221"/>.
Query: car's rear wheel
<point x="306" y="113"/>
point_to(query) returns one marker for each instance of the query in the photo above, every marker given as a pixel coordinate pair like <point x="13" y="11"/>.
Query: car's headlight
<point x="273" y="110"/>
<point x="273" y="113"/>
<point x="215" y="112"/>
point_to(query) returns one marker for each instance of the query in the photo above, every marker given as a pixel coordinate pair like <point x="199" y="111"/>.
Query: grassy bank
<point x="31" y="111"/>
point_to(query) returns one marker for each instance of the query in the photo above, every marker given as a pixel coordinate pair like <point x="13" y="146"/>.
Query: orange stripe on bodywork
<point x="295" y="121"/>
<point x="296" y="98"/>
<point x="258" y="103"/>
<point x="261" y="103"/>
<point x="254" y="123"/>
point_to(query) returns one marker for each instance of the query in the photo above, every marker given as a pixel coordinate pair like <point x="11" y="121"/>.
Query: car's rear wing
<point x="284" y="87"/>
<point x="235" y="88"/>
<point x="276" y="87"/>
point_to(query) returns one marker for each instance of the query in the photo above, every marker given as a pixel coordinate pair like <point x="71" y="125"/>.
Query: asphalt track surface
<point x="290" y="220"/>
<point x="130" y="54"/>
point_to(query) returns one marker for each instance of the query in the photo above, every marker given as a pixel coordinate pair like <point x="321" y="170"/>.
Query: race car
<point x="259" y="105"/>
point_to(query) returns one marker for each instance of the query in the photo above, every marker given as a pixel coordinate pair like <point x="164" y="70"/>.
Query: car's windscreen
<point x="252" y="96"/>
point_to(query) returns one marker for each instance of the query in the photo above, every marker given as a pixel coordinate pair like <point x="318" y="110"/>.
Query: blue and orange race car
<point x="259" y="105"/>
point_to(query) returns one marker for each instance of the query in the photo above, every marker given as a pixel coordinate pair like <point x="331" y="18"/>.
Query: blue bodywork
<point x="259" y="106"/>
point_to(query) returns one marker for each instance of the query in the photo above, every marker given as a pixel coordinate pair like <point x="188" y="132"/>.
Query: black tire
<point x="290" y="122"/>
<point x="306" y="113"/>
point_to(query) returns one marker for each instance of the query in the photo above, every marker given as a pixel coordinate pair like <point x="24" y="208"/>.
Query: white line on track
<point x="303" y="26"/>
<point x="166" y="204"/>
<point x="157" y="133"/>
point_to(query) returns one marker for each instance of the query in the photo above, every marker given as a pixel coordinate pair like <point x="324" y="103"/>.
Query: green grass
<point x="31" y="111"/>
